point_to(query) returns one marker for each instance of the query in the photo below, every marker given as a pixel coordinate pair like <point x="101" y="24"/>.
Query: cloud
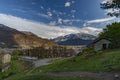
<point x="41" y="29"/>
<point x="66" y="21"/>
<point x="43" y="15"/>
<point x="33" y="3"/>
<point x="101" y="20"/>
<point x="107" y="1"/>
<point x="113" y="11"/>
<point x="19" y="10"/>
<point x="73" y="16"/>
<point x="67" y="4"/>
<point x="49" y="14"/>
<point x="42" y="7"/>
<point x="73" y="11"/>
<point x="60" y="21"/>
<point x="57" y="12"/>
<point x="52" y="23"/>
<point x="39" y="14"/>
<point x="72" y="20"/>
<point x="73" y="2"/>
<point x="92" y="30"/>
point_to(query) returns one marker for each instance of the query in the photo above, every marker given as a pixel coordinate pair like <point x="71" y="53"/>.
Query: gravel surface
<point x="41" y="62"/>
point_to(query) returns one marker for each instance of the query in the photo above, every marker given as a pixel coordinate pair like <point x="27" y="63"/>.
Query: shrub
<point x="16" y="54"/>
<point x="89" y="52"/>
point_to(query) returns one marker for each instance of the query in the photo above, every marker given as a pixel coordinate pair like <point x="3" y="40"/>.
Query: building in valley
<point x="100" y="44"/>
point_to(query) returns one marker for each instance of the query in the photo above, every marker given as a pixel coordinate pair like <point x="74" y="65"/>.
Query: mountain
<point x="75" y="39"/>
<point x="13" y="38"/>
<point x="29" y="33"/>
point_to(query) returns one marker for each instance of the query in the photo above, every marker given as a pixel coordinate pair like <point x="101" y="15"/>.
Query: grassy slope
<point x="93" y="64"/>
<point x="45" y="77"/>
<point x="23" y="70"/>
<point x="19" y="69"/>
<point x="107" y="61"/>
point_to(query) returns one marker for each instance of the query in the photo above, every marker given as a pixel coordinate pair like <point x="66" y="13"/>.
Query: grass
<point x="45" y="77"/>
<point x="18" y="68"/>
<point x="23" y="72"/>
<point x="107" y="61"/>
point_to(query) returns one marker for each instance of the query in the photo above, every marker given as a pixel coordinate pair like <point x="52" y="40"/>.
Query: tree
<point x="112" y="32"/>
<point x="112" y="7"/>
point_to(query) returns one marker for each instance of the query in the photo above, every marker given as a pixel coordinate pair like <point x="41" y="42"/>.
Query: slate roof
<point x="96" y="40"/>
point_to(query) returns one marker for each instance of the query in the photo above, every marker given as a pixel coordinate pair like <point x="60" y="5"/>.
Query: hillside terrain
<point x="102" y="66"/>
<point x="106" y="61"/>
<point x="13" y="38"/>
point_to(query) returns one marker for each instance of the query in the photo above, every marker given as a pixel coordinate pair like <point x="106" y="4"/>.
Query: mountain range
<point x="75" y="39"/>
<point x="12" y="38"/>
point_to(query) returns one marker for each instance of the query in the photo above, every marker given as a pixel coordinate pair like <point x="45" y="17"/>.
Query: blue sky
<point x="52" y="18"/>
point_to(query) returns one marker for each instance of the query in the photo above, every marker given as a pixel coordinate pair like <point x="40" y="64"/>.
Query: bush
<point x="16" y="54"/>
<point x="89" y="52"/>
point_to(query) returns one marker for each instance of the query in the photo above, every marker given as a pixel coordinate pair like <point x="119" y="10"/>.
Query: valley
<point x="59" y="39"/>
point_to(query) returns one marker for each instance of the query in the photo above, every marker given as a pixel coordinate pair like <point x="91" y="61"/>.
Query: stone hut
<point x="5" y="58"/>
<point x="101" y="44"/>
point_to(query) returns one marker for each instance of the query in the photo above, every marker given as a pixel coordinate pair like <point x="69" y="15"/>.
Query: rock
<point x="116" y="76"/>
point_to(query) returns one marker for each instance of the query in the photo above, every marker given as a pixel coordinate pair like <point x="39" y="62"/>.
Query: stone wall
<point x="99" y="45"/>
<point x="6" y="58"/>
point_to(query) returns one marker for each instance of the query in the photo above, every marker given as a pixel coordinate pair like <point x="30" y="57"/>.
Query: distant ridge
<point x="75" y="39"/>
<point x="11" y="38"/>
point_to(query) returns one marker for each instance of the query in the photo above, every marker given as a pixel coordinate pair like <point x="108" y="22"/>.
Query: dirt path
<point x="37" y="62"/>
<point x="41" y="62"/>
<point x="102" y="76"/>
<point x="45" y="61"/>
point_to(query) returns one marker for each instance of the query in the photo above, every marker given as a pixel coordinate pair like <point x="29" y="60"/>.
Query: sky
<point x="53" y="18"/>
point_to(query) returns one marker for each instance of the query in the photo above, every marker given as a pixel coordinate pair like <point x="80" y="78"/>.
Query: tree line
<point x="42" y="52"/>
